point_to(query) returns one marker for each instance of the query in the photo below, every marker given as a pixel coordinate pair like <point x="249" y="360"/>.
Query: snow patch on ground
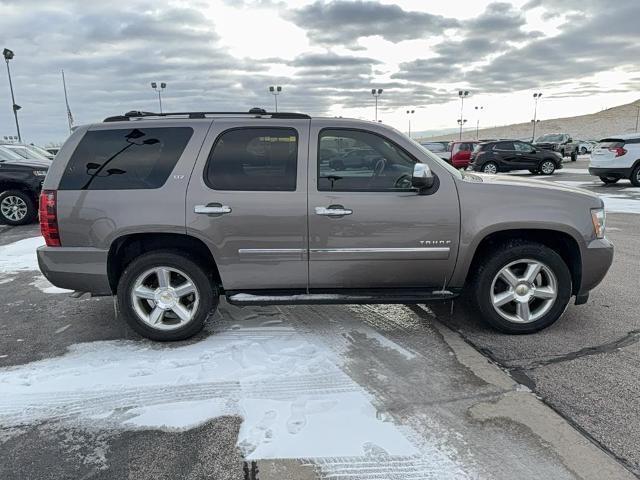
<point x="289" y="387"/>
<point x="21" y="256"/>
<point x="621" y="204"/>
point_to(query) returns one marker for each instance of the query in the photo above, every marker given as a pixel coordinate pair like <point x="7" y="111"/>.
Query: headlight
<point x="40" y="173"/>
<point x="598" y="217"/>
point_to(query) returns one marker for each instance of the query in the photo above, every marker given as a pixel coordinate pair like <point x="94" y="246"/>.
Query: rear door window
<point x="508" y="146"/>
<point x="125" y="159"/>
<point x="254" y="159"/>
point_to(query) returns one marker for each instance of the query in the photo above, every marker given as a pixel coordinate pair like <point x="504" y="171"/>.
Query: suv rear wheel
<point x="17" y="208"/>
<point x="635" y="176"/>
<point x="547" y="167"/>
<point x="522" y="288"/>
<point x="165" y="295"/>
<point x="609" y="180"/>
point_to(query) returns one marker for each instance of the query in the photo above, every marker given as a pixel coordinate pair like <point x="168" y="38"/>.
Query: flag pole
<point x="66" y="101"/>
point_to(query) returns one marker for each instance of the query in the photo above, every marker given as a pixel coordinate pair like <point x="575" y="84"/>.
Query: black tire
<point x="574" y="156"/>
<point x="503" y="255"/>
<point x="548" y="165"/>
<point x="31" y="213"/>
<point x="175" y="259"/>
<point x="489" y="165"/>
<point x="609" y="180"/>
<point x="583" y="150"/>
<point x="635" y="176"/>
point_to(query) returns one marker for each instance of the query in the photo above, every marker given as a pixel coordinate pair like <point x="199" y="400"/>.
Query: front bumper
<point x="75" y="268"/>
<point x="610" y="172"/>
<point x="596" y="260"/>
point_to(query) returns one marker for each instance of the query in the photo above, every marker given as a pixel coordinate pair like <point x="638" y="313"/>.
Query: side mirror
<point x="422" y="177"/>
<point x="569" y="140"/>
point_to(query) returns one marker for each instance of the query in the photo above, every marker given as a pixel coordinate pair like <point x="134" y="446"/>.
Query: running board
<point x="257" y="297"/>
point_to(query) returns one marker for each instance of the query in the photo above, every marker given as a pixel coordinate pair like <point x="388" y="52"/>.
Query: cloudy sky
<point x="327" y="55"/>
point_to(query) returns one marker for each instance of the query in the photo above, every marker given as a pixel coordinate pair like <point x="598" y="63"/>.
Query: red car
<point x="461" y="153"/>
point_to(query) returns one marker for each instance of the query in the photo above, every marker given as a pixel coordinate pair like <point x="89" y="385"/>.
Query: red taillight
<point x="49" y="218"/>
<point x="619" y="151"/>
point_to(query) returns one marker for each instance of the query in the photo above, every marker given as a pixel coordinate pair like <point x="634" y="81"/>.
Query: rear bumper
<point x="609" y="171"/>
<point x="597" y="259"/>
<point x="81" y="269"/>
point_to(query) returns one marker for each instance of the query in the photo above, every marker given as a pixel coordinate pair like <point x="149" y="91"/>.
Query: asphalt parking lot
<point x="323" y="391"/>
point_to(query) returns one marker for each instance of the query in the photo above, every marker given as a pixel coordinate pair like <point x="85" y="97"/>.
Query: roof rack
<point x="254" y="112"/>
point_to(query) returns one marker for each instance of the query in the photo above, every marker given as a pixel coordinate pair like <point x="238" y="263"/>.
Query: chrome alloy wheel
<point x="14" y="208"/>
<point x="547" y="167"/>
<point x="165" y="298"/>
<point x="524" y="291"/>
<point x="490" y="168"/>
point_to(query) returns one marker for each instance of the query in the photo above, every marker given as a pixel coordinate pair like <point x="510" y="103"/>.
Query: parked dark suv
<point x="20" y="183"/>
<point x="169" y="212"/>
<point x="507" y="155"/>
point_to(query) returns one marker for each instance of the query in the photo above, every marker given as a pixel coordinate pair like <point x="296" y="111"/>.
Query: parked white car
<point x="617" y="157"/>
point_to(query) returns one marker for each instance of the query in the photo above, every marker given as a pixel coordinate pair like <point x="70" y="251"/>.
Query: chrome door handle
<point x="212" y="209"/>
<point x="333" y="211"/>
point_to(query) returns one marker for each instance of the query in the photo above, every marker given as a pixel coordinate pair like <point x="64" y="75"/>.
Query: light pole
<point x="461" y="122"/>
<point x="376" y="92"/>
<point x="8" y="55"/>
<point x="275" y="91"/>
<point x="637" y="116"/>
<point x="479" y="111"/>
<point x="462" y="94"/>
<point x="536" y="97"/>
<point x="163" y="85"/>
<point x="409" y="113"/>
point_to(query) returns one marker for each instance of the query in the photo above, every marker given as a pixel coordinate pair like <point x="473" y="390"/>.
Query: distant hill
<point x="612" y="121"/>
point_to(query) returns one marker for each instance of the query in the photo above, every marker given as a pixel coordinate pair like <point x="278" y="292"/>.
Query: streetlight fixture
<point x="409" y="113"/>
<point x="479" y="111"/>
<point x="536" y="97"/>
<point x="376" y="92"/>
<point x="8" y="55"/>
<point x="275" y="91"/>
<point x="163" y="85"/>
<point x="462" y="94"/>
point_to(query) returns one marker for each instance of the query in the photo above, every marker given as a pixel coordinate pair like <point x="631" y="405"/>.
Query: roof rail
<point x="255" y="112"/>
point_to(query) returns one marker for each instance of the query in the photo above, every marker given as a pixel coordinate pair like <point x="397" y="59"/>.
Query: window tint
<point x="260" y="159"/>
<point x="523" y="147"/>
<point x="124" y="159"/>
<point x="362" y="162"/>
<point x="503" y="146"/>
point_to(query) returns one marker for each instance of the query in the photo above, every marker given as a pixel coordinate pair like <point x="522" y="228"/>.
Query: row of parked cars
<point x="504" y="155"/>
<point x="612" y="158"/>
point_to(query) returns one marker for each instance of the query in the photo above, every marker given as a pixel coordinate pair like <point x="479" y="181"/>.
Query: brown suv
<point x="170" y="211"/>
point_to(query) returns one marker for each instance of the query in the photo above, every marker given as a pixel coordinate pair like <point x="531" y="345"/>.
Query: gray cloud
<point x="342" y="22"/>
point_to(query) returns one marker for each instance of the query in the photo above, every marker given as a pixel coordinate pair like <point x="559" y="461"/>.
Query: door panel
<point x="260" y="240"/>
<point x="379" y="239"/>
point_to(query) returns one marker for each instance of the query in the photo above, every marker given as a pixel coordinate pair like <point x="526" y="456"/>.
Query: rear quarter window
<point x="125" y="159"/>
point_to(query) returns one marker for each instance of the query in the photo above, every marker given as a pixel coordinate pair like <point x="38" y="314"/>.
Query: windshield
<point x="40" y="151"/>
<point x="550" y="138"/>
<point x="7" y="155"/>
<point x="25" y="152"/>
<point x="437" y="159"/>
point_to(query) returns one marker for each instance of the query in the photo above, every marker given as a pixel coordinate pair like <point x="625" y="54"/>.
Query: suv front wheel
<point x="165" y="295"/>
<point x="547" y="167"/>
<point x="522" y="288"/>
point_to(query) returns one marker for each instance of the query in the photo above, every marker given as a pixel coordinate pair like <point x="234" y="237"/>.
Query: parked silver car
<point x="169" y="212"/>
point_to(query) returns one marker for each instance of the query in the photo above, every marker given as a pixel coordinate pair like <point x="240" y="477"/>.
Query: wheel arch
<point x="561" y="242"/>
<point x="126" y="248"/>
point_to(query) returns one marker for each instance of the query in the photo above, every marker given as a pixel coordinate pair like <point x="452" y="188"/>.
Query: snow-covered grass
<point x="21" y="256"/>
